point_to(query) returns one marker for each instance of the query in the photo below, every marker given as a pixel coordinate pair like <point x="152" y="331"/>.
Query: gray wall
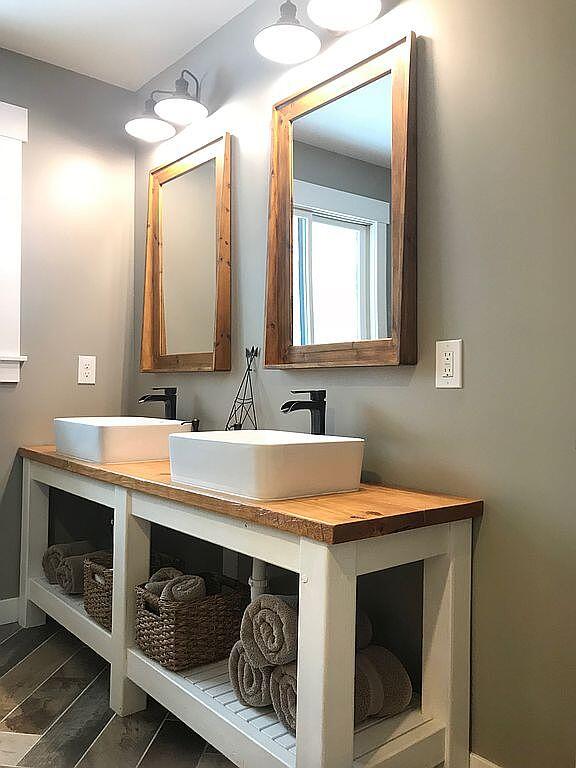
<point x="331" y="169"/>
<point x="497" y="184"/>
<point x="76" y="265"/>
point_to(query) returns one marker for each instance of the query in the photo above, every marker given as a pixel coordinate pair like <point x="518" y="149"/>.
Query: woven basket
<point x="98" y="583"/>
<point x="184" y="635"/>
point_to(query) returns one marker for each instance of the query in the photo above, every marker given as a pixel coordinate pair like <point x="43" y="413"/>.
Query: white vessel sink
<point x="265" y="464"/>
<point x="115" y="439"/>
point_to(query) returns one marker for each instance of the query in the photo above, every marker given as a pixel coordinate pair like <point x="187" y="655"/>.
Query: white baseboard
<point x="9" y="610"/>
<point x="481" y="762"/>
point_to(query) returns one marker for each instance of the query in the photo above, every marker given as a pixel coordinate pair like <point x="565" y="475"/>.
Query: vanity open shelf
<point x="329" y="542"/>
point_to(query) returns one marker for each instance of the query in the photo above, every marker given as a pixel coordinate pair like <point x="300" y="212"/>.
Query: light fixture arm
<point x="182" y="83"/>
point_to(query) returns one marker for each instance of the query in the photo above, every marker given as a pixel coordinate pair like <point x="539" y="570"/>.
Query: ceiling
<point x="123" y="42"/>
<point x="358" y="125"/>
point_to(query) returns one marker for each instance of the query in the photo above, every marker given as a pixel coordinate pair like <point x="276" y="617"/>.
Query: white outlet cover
<point x="449" y="364"/>
<point x="86" y="369"/>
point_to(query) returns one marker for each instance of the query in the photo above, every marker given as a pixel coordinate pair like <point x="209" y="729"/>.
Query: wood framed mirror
<point x="341" y="280"/>
<point x="187" y="295"/>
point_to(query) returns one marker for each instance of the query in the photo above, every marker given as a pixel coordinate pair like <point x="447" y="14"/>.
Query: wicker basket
<point x="184" y="635"/>
<point x="98" y="582"/>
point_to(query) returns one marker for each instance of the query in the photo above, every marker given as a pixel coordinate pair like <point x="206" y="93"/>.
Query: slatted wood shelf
<point x="68" y="610"/>
<point x="205" y="700"/>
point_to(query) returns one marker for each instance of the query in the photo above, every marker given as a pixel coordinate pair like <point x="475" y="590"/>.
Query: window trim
<point x="13" y="134"/>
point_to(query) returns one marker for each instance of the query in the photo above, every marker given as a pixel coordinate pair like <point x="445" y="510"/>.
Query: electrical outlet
<point x="86" y="369"/>
<point x="449" y="364"/>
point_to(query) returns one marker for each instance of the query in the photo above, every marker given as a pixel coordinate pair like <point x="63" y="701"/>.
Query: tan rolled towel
<point x="363" y="629"/>
<point x="374" y="682"/>
<point x="251" y="684"/>
<point x="284" y="694"/>
<point x="57" y="553"/>
<point x="269" y="631"/>
<point x="184" y="589"/>
<point x="396" y="683"/>
<point x="70" y="573"/>
<point x="161" y="578"/>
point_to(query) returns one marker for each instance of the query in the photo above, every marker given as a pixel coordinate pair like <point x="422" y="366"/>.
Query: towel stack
<point x="263" y="664"/>
<point x="173" y="586"/>
<point x="63" y="564"/>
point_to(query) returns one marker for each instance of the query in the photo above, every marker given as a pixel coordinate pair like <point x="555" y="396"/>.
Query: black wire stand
<point x="244" y="409"/>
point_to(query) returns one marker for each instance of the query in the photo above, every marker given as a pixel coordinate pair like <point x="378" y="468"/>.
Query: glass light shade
<point x="150" y="129"/>
<point x="343" y="15"/>
<point x="180" y="110"/>
<point x="287" y="43"/>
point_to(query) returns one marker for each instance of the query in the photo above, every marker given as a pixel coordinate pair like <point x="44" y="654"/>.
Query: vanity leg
<point x="34" y="541"/>
<point x="131" y="567"/>
<point x="326" y="651"/>
<point x="446" y="642"/>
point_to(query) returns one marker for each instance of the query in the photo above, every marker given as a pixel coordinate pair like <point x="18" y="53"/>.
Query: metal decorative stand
<point x="244" y="410"/>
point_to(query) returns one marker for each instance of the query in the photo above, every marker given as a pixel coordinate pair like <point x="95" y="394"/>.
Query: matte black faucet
<point x="169" y="398"/>
<point x="316" y="405"/>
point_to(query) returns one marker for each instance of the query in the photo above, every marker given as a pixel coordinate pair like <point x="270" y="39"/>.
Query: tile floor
<point x="54" y="711"/>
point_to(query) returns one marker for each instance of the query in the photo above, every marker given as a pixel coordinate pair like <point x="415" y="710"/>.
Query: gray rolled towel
<point x="374" y="682"/>
<point x="269" y="631"/>
<point x="161" y="578"/>
<point x="284" y="693"/>
<point x="251" y="684"/>
<point x="57" y="553"/>
<point x="184" y="589"/>
<point x="363" y="629"/>
<point x="70" y="573"/>
<point x="396" y="683"/>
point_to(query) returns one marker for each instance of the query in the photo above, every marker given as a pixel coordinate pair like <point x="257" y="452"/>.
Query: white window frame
<point x="13" y="134"/>
<point x="314" y="200"/>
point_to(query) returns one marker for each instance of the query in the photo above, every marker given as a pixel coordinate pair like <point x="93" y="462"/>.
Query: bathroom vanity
<point x="329" y="541"/>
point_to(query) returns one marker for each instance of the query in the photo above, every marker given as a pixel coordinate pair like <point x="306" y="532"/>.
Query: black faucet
<point x="169" y="398"/>
<point x="316" y="405"/>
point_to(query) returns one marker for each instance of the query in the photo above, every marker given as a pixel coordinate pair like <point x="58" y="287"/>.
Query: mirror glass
<point x="188" y="234"/>
<point x="341" y="259"/>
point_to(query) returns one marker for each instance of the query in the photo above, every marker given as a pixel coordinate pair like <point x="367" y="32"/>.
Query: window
<point x="13" y="131"/>
<point x="339" y="268"/>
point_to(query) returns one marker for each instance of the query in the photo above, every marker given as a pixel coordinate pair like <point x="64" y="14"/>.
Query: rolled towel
<point x="70" y="573"/>
<point x="363" y="629"/>
<point x="161" y="578"/>
<point x="396" y="683"/>
<point x="284" y="694"/>
<point x="365" y="668"/>
<point x="251" y="685"/>
<point x="283" y="691"/>
<point x="57" y="553"/>
<point x="269" y="631"/>
<point x="184" y="589"/>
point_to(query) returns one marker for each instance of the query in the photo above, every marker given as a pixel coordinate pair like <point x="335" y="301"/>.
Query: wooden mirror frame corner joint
<point x="398" y="60"/>
<point x="153" y="357"/>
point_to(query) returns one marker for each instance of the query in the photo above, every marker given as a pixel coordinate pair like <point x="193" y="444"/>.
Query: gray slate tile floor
<point x="54" y="712"/>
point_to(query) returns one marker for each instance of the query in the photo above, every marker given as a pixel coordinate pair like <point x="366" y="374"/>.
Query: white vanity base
<point x="423" y="737"/>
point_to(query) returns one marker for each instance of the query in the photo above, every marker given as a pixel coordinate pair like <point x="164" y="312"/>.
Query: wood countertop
<point x="374" y="510"/>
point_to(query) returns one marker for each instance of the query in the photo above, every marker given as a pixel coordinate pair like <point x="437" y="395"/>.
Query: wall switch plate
<point x="86" y="369"/>
<point x="449" y="364"/>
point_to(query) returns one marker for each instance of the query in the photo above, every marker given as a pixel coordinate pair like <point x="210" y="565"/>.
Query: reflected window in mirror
<point x="341" y="236"/>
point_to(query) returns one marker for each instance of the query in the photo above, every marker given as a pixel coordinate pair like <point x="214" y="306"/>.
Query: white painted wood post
<point x="131" y="567"/>
<point x="326" y="651"/>
<point x="34" y="541"/>
<point x="446" y="642"/>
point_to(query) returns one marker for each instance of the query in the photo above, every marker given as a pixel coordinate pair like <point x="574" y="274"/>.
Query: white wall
<point x="497" y="266"/>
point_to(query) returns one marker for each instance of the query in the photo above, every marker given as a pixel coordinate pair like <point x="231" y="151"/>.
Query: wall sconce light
<point x="287" y="41"/>
<point x="343" y="15"/>
<point x="148" y="126"/>
<point x="180" y="106"/>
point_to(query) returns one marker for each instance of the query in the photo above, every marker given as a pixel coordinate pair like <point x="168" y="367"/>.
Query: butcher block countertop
<point x="374" y="510"/>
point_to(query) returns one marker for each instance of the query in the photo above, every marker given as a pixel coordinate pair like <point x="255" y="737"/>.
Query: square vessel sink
<point x="115" y="439"/>
<point x="267" y="464"/>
